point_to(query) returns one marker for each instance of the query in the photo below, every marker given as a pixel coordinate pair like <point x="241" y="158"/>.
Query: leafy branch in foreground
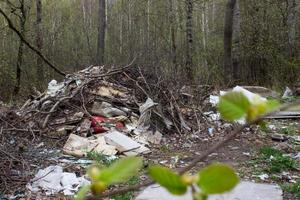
<point x="235" y="105"/>
<point x="119" y="172"/>
<point x="216" y="178"/>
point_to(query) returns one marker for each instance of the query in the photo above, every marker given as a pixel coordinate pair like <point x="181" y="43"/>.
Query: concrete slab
<point x="121" y="141"/>
<point x="244" y="191"/>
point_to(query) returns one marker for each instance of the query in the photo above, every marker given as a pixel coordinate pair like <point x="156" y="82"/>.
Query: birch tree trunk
<point x="101" y="32"/>
<point x="204" y="20"/>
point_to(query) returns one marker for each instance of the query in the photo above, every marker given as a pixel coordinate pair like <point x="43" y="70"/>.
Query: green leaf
<point x="168" y="179"/>
<point x="217" y="178"/>
<point x="233" y="105"/>
<point x="272" y="105"/>
<point x="121" y="170"/>
<point x="82" y="192"/>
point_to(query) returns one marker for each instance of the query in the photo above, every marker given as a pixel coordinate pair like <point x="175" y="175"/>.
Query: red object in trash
<point x="102" y="124"/>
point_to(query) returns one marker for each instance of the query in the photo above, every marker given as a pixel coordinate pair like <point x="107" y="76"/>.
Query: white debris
<point x="145" y="110"/>
<point x="79" y="146"/>
<point x="213" y="100"/>
<point x="297" y="157"/>
<point x="54" y="88"/>
<point x="263" y="176"/>
<point x="246" y="153"/>
<point x="272" y="127"/>
<point x="120" y="141"/>
<point x="287" y="93"/>
<point x="53" y="180"/>
<point x="252" y="97"/>
<point x="106" y="109"/>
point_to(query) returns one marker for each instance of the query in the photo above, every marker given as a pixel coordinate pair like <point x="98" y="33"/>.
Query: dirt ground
<point x="38" y="151"/>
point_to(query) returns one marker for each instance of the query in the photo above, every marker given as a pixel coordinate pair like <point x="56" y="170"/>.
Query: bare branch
<point x="10" y="24"/>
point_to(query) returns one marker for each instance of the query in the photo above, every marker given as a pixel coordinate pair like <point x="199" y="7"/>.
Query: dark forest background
<point x="218" y="42"/>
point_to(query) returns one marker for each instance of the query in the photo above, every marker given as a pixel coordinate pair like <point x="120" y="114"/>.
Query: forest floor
<point x="257" y="154"/>
<point x="246" y="153"/>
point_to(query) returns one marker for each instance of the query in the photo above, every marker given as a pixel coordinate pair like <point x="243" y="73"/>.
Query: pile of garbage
<point x="96" y="115"/>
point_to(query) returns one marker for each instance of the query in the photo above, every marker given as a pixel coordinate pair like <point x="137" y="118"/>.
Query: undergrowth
<point x="293" y="188"/>
<point x="275" y="161"/>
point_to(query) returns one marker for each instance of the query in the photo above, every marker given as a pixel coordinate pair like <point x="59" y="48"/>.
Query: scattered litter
<point x="120" y="141"/>
<point x="53" y="180"/>
<point x="102" y="124"/>
<point x="262" y="177"/>
<point x="297" y="156"/>
<point x="80" y="146"/>
<point x="54" y="88"/>
<point x="279" y="137"/>
<point x="106" y="110"/>
<point x="296" y="138"/>
<point x="246" y="153"/>
<point x="142" y="150"/>
<point x="212" y="116"/>
<point x="214" y="100"/>
<point x="262" y="91"/>
<point x="272" y="127"/>
<point x="252" y="97"/>
<point x="145" y="110"/>
<point x="288" y="93"/>
<point x="211" y="131"/>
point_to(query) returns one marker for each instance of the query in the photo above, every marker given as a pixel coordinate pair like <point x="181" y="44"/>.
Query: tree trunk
<point x="189" y="39"/>
<point x="228" y="39"/>
<point x="291" y="23"/>
<point x="173" y="35"/>
<point x="21" y="49"/>
<point x="236" y="41"/>
<point x="39" y="43"/>
<point x="101" y="32"/>
<point x="204" y="32"/>
<point x="86" y="6"/>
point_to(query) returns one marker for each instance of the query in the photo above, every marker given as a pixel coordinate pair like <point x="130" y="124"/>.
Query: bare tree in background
<point x="101" y="32"/>
<point x="236" y="41"/>
<point x="291" y="23"/>
<point x="39" y="41"/>
<point x="172" y="16"/>
<point x="22" y="18"/>
<point x="228" y="30"/>
<point x="189" y="39"/>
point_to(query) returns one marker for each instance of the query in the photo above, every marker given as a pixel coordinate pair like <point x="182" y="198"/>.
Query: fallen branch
<point x="11" y="26"/>
<point x="183" y="170"/>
